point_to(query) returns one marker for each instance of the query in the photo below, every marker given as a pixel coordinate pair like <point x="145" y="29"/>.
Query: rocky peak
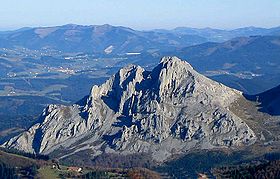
<point x="120" y="81"/>
<point x="131" y="73"/>
<point x="173" y="63"/>
<point x="174" y="78"/>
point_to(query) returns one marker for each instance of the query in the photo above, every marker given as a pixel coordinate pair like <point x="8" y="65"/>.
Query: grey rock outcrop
<point x="171" y="108"/>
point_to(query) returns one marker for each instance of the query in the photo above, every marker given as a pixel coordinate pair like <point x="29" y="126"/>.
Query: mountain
<point x="160" y="113"/>
<point x="250" y="64"/>
<point x="98" y="39"/>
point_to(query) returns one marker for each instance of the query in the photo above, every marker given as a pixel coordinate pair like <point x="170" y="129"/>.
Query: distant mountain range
<point x="218" y="35"/>
<point x="107" y="39"/>
<point x="250" y="64"/>
<point x="104" y="39"/>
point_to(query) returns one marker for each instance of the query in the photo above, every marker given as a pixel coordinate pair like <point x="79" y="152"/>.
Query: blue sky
<point x="141" y="14"/>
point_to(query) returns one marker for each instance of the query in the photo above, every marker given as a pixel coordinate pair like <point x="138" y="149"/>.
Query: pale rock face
<point x="171" y="108"/>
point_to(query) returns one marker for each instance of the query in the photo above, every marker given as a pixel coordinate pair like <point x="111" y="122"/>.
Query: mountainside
<point x="169" y="110"/>
<point x="250" y="64"/>
<point x="269" y="101"/>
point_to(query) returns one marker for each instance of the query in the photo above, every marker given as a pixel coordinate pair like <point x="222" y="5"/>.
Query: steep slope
<point x="169" y="110"/>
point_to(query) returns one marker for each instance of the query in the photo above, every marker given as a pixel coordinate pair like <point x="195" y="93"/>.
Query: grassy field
<point x="48" y="172"/>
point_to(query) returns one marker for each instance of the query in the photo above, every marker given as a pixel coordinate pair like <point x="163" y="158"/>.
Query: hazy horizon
<point x="141" y="15"/>
<point x="59" y="25"/>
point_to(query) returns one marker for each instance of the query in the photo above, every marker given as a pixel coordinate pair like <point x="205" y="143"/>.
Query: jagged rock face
<point x="172" y="108"/>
